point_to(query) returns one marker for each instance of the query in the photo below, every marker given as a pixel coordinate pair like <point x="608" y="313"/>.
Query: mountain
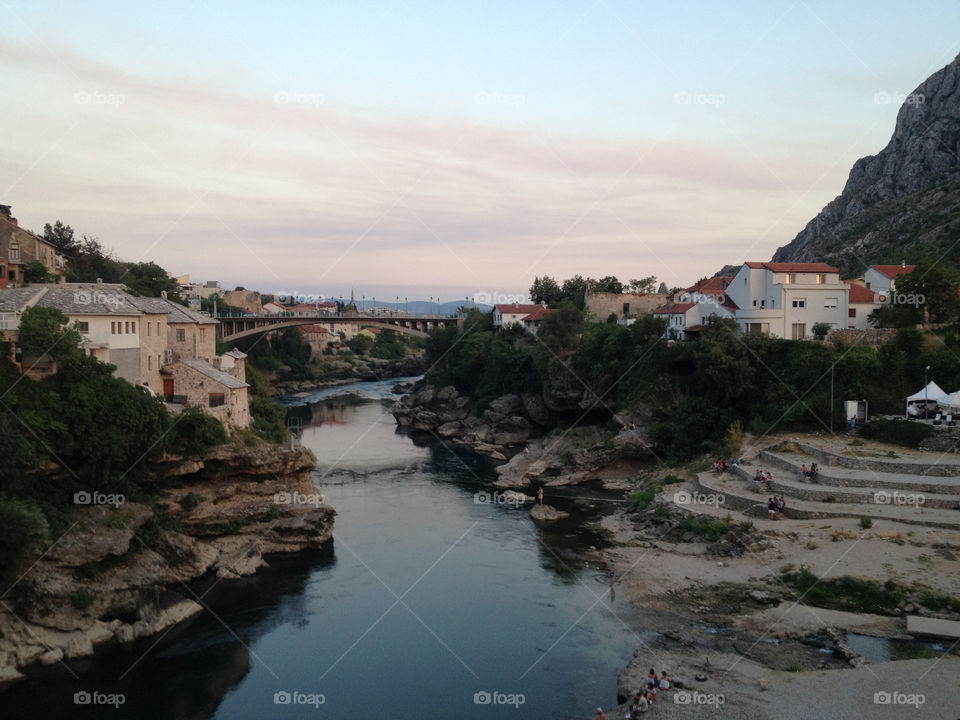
<point x="902" y="202"/>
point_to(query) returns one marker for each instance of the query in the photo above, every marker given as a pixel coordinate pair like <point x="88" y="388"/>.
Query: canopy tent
<point x="951" y="401"/>
<point x="921" y="399"/>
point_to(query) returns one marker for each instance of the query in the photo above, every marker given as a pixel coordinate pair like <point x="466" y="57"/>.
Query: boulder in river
<point x="546" y="513"/>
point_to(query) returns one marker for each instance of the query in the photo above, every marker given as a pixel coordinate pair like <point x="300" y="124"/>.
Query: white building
<point x="526" y="316"/>
<point x="787" y="299"/>
<point x="861" y="303"/>
<point x="688" y="312"/>
<point x="883" y="278"/>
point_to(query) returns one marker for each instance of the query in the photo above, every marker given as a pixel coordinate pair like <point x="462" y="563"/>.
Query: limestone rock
<point x="546" y="513"/>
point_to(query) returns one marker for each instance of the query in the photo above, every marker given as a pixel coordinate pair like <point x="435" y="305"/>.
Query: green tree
<point x="643" y="285"/>
<point x="560" y="330"/>
<point x="545" y="290"/>
<point x="931" y="287"/>
<point x="36" y="272"/>
<point x="574" y="290"/>
<point x="44" y="331"/>
<point x="61" y="237"/>
<point x="360" y="344"/>
<point x="608" y="284"/>
<point x="821" y="329"/>
<point x="148" y="279"/>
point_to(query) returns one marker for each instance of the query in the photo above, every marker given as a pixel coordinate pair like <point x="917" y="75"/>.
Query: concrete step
<point x="736" y="496"/>
<point x="945" y="465"/>
<point x="849" y="478"/>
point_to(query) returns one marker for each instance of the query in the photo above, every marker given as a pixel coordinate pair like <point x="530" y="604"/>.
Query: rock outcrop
<point x="905" y="197"/>
<point x="117" y="574"/>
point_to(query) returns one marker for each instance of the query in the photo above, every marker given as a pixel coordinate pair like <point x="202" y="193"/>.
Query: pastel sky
<point x="414" y="148"/>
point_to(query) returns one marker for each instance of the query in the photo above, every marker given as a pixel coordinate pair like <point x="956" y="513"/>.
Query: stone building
<point x="19" y="248"/>
<point x="625" y="306"/>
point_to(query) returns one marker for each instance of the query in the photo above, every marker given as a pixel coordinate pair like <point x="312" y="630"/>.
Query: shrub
<point x="268" y="419"/>
<point x="194" y="432"/>
<point x="21" y="525"/>
<point x="899" y="432"/>
<point x="81" y="599"/>
<point x="866" y="523"/>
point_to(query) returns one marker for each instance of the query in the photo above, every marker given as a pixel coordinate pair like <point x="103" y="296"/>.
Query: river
<point x="431" y="602"/>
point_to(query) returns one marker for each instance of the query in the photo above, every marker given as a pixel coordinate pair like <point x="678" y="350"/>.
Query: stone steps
<point x="739" y="497"/>
<point x="843" y="477"/>
<point x="947" y="465"/>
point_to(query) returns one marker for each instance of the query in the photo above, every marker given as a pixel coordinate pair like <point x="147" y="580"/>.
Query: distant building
<point x="625" y="306"/>
<point x="244" y="299"/>
<point x="883" y="278"/>
<point x="527" y="316"/>
<point x="687" y="313"/>
<point x="19" y="248"/>
<point x="860" y="304"/>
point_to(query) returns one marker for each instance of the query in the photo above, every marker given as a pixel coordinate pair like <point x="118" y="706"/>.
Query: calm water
<point x="424" y="599"/>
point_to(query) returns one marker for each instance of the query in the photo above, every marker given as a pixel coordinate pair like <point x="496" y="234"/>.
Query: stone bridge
<point x="237" y="327"/>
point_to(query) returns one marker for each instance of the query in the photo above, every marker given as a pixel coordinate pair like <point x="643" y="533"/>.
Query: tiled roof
<point x="711" y="286"/>
<point x="14" y="299"/>
<point x="673" y="308"/>
<point x="318" y="329"/>
<point x="176" y="313"/>
<point x="783" y="267"/>
<point x="516" y="308"/>
<point x="89" y="299"/>
<point x="860" y="294"/>
<point x="538" y="313"/>
<point x="894" y="271"/>
<point x="205" y="368"/>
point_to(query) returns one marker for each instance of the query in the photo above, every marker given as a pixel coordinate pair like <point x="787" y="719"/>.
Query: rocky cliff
<point x="120" y="573"/>
<point x="902" y="201"/>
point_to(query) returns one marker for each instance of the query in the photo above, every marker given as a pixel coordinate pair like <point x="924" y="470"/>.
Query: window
<point x="758" y="328"/>
<point x="790" y="278"/>
<point x="149" y="330"/>
<point x="14" y="253"/>
<point x="181" y="335"/>
<point x="84" y="327"/>
<point x="852" y="312"/>
<point x="626" y="308"/>
<point x="799" y="302"/>
<point x="126" y="327"/>
<point x="216" y="400"/>
<point x="149" y="362"/>
<point x="754" y="303"/>
<point x="830" y="302"/>
<point x="799" y="331"/>
<point x="868" y="286"/>
<point x="133" y="327"/>
<point x="113" y="328"/>
<point x="819" y="278"/>
<point x="202" y="333"/>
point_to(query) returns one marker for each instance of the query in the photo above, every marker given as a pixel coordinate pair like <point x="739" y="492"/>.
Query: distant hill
<point x="902" y="202"/>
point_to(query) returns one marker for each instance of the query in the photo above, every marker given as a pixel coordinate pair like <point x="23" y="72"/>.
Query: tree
<point x="44" y="331"/>
<point x="36" y="272"/>
<point x="931" y="287"/>
<point x="560" y="331"/>
<point x="574" y="289"/>
<point x="608" y="284"/>
<point x="644" y="285"/>
<point x="148" y="279"/>
<point x="820" y="330"/>
<point x="545" y="290"/>
<point x="61" y="237"/>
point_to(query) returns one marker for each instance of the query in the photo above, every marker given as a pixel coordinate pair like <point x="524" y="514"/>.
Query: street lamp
<point x="926" y="392"/>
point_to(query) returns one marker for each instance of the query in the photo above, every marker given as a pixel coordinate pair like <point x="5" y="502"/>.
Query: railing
<point x="175" y="399"/>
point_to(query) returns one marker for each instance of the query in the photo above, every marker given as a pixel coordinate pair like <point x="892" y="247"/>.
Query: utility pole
<point x="832" y="366"/>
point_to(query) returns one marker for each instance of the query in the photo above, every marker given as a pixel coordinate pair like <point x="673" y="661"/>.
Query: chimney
<point x="99" y="282"/>
<point x="163" y="294"/>
<point x="903" y="263"/>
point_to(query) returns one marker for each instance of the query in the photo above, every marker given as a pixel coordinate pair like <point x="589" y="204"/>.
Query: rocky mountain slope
<point x="905" y="200"/>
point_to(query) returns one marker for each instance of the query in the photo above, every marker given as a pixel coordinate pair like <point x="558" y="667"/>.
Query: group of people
<point x="646" y="695"/>
<point x="810" y="474"/>
<point x="775" y="506"/>
<point x="722" y="465"/>
<point x="763" y="478"/>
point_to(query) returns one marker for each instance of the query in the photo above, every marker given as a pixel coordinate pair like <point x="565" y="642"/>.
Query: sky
<point x="451" y="150"/>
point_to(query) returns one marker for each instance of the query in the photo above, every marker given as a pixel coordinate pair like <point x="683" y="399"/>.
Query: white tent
<point x="929" y="394"/>
<point x="951" y="401"/>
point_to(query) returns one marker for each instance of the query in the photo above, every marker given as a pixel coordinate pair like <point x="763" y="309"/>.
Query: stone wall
<point x="601" y="305"/>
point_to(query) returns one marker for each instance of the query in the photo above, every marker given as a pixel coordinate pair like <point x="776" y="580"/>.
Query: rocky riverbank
<point x="340" y="372"/>
<point x="121" y="572"/>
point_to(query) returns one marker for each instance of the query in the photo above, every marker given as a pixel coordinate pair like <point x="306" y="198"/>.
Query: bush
<point x="194" y="432"/>
<point x="640" y="500"/>
<point x="899" y="432"/>
<point x="268" y="419"/>
<point x="81" y="599"/>
<point x="866" y="523"/>
<point x="21" y="525"/>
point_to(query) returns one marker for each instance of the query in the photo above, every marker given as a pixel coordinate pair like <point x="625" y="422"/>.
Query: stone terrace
<point x="920" y="489"/>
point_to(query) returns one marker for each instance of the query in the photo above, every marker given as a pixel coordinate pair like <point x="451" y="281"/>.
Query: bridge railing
<point x="332" y="316"/>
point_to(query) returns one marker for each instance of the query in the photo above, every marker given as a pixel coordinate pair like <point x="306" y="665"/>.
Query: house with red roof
<point x="860" y="304"/>
<point x="687" y="312"/>
<point x="883" y="278"/>
<point x="527" y="316"/>
<point x="787" y="299"/>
